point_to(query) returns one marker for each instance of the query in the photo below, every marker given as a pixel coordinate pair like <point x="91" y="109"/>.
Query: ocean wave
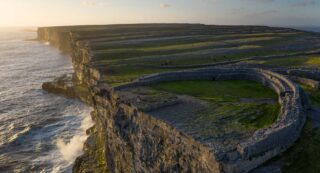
<point x="72" y="149"/>
<point x="15" y="136"/>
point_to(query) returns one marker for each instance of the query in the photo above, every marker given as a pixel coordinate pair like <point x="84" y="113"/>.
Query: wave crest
<point x="73" y="149"/>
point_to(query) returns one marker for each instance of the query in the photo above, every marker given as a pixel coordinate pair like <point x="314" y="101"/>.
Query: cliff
<point x="126" y="139"/>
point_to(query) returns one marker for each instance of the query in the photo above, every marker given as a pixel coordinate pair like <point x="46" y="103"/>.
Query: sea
<point x="39" y="131"/>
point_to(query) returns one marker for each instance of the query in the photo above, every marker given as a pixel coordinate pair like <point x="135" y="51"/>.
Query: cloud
<point x="262" y="1"/>
<point x="266" y="1"/>
<point x="304" y="3"/>
<point x="88" y="3"/>
<point x="164" y="5"/>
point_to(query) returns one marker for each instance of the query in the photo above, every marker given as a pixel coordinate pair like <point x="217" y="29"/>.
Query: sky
<point x="222" y="12"/>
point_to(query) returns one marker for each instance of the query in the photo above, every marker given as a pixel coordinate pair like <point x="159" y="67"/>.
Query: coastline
<point x="134" y="145"/>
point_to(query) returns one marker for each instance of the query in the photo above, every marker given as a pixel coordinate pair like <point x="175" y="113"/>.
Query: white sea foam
<point x="72" y="149"/>
<point x="11" y="126"/>
<point x="16" y="135"/>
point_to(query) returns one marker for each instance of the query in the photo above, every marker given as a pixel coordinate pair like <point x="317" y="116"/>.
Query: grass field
<point x="307" y="61"/>
<point x="150" y="49"/>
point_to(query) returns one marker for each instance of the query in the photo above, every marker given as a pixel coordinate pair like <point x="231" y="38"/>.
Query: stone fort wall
<point x="265" y="143"/>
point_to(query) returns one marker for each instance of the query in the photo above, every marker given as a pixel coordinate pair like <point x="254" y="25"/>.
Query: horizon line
<point x="101" y="24"/>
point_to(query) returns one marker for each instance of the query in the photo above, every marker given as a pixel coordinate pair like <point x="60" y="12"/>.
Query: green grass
<point x="113" y="53"/>
<point x="304" y="157"/>
<point x="129" y="53"/>
<point x="225" y="118"/>
<point x="218" y="90"/>
<point x="223" y="98"/>
<point x="188" y="46"/>
<point x="313" y="61"/>
<point x="119" y="75"/>
<point x="121" y="72"/>
<point x="123" y="63"/>
<point x="239" y="116"/>
<point x="260" y="117"/>
<point x="195" y="39"/>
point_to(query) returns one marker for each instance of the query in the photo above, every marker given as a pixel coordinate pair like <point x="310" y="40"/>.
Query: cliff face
<point x="124" y="139"/>
<point x="55" y="38"/>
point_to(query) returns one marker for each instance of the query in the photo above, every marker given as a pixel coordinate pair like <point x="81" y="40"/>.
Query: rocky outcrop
<point x="125" y="139"/>
<point x="66" y="86"/>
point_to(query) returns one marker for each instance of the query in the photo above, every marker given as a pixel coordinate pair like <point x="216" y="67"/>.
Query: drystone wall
<point x="306" y="81"/>
<point x="306" y="76"/>
<point x="265" y="143"/>
<point x="300" y="72"/>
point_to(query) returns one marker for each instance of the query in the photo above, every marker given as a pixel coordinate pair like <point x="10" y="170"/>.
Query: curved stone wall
<point x="265" y="143"/>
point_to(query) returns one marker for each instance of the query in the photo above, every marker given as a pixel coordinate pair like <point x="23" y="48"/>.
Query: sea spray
<point x="72" y="149"/>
